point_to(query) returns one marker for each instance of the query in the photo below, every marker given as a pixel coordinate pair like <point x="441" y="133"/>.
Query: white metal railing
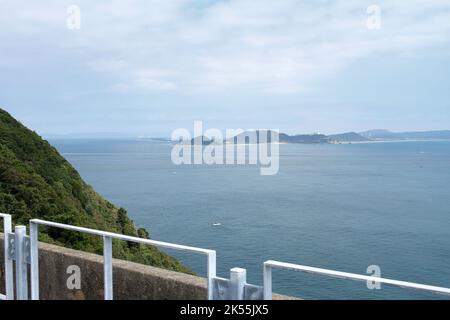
<point x="9" y="278"/>
<point x="107" y="254"/>
<point x="24" y="250"/>
<point x="269" y="265"/>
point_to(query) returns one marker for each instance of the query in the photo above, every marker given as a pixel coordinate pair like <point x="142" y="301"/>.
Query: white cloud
<point x="215" y="46"/>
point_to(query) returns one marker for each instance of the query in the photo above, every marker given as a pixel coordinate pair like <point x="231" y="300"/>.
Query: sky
<point x="148" y="67"/>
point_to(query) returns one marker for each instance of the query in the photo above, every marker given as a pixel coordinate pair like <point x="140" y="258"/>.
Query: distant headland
<point x="376" y="135"/>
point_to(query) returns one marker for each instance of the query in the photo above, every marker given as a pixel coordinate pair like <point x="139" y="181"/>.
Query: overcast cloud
<point x="177" y="51"/>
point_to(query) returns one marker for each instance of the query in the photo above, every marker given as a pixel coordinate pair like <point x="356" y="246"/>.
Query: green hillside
<point x="37" y="182"/>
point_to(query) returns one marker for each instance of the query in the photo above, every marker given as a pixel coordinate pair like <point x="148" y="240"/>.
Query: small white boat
<point x="217" y="224"/>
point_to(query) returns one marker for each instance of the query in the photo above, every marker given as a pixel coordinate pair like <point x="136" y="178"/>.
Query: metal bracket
<point x="252" y="292"/>
<point x="12" y="248"/>
<point x="236" y="288"/>
<point x="27" y="249"/>
<point x="221" y="289"/>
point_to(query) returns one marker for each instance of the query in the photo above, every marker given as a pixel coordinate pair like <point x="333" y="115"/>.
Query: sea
<point x="355" y="208"/>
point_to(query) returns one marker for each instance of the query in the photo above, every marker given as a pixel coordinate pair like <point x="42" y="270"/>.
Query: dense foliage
<point x="37" y="182"/>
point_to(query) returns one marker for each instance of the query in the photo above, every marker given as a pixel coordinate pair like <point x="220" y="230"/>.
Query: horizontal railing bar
<point x="358" y="277"/>
<point x="122" y="237"/>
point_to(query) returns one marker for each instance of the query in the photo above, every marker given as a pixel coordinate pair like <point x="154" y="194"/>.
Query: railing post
<point x="107" y="267"/>
<point x="238" y="277"/>
<point x="34" y="260"/>
<point x="211" y="273"/>
<point x="21" y="265"/>
<point x="267" y="281"/>
<point x="9" y="277"/>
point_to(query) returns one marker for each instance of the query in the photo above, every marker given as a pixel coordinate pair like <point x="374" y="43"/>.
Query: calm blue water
<point x="342" y="207"/>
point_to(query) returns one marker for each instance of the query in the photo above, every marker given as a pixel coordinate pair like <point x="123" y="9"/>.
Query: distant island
<point x="377" y="135"/>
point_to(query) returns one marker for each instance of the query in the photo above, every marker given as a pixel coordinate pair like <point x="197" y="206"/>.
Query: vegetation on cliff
<point x="37" y="182"/>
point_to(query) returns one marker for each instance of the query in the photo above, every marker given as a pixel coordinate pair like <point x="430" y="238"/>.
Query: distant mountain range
<point x="314" y="138"/>
<point x="347" y="137"/>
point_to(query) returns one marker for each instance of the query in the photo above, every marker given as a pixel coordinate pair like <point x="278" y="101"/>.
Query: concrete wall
<point x="131" y="281"/>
